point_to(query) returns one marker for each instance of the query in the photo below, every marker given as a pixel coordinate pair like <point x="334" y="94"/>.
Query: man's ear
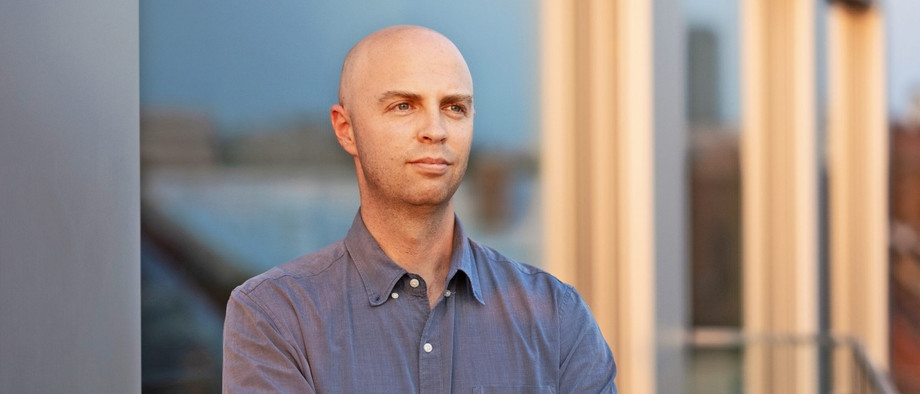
<point x="344" y="132"/>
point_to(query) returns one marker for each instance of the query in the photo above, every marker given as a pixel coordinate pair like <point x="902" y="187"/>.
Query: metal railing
<point x="832" y="364"/>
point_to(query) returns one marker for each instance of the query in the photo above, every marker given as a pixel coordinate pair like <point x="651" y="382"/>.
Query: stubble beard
<point x="406" y="193"/>
<point x="424" y="193"/>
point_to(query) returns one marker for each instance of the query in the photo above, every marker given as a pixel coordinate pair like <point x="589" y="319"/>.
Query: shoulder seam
<point x="521" y="267"/>
<point x="264" y="277"/>
<point x="273" y="319"/>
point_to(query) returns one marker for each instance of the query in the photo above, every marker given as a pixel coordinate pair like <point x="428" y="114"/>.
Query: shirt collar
<point x="380" y="273"/>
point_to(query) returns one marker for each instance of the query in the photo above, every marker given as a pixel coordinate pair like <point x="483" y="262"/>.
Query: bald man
<point x="406" y="302"/>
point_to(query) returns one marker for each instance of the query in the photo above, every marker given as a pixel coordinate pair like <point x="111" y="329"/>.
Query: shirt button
<point x="447" y="293"/>
<point x="427" y="348"/>
<point x="413" y="282"/>
<point x="394" y="295"/>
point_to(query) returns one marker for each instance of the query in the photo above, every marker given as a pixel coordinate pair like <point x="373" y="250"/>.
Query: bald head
<point x="405" y="114"/>
<point x="375" y="54"/>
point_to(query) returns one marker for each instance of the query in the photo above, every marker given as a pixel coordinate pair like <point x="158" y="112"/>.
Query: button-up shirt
<point x="347" y="319"/>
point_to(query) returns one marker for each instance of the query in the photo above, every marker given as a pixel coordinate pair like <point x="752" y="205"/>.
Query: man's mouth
<point x="431" y="165"/>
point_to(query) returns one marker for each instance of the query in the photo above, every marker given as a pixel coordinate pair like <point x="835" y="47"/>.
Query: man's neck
<point x="419" y="239"/>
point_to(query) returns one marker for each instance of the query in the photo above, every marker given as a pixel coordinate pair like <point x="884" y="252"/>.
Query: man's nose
<point x="433" y="129"/>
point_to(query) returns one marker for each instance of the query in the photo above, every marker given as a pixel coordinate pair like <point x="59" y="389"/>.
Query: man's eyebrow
<point x="388" y="95"/>
<point x="458" y="98"/>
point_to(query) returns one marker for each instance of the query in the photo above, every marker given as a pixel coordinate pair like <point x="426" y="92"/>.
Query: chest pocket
<point x="513" y="390"/>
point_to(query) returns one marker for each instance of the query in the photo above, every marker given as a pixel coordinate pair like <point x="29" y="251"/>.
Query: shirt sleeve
<point x="257" y="356"/>
<point x="586" y="362"/>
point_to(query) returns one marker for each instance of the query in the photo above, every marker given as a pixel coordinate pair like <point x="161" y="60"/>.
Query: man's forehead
<point x="399" y="58"/>
<point x="411" y="53"/>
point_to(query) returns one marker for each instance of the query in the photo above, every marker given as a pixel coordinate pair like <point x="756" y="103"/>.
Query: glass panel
<point x="713" y="107"/>
<point x="241" y="170"/>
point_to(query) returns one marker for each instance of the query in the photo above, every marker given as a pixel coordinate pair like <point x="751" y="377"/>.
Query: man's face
<point x="410" y="111"/>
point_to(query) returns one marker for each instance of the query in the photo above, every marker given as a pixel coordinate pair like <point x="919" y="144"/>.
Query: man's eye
<point x="457" y="108"/>
<point x="402" y="106"/>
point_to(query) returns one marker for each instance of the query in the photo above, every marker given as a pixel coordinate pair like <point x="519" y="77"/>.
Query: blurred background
<point x="240" y="170"/>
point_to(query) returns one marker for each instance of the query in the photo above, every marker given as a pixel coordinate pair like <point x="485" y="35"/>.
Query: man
<point x="406" y="303"/>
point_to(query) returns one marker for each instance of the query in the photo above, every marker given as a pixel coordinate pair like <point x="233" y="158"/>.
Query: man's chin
<point x="430" y="198"/>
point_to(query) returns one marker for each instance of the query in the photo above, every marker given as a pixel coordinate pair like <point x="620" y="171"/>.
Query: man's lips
<point x="430" y="160"/>
<point x="433" y="165"/>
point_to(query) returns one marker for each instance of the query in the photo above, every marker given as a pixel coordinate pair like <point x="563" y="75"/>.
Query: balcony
<point x="723" y="361"/>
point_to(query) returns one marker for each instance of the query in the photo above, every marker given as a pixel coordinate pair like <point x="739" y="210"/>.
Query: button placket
<point x="435" y="349"/>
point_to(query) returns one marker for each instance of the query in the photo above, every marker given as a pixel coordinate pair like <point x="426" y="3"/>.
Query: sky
<point x="903" y="28"/>
<point x="252" y="64"/>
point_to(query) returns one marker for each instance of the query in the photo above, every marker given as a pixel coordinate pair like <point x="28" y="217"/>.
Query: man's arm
<point x="257" y="356"/>
<point x="586" y="364"/>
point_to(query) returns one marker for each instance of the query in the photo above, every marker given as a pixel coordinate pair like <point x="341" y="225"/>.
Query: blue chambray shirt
<point x="347" y="319"/>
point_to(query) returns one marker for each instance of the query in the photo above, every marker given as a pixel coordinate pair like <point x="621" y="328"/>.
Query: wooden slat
<point x="779" y="189"/>
<point x="597" y="170"/>
<point x="858" y="175"/>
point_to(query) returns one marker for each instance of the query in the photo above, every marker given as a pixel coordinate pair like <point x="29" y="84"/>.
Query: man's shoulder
<point x="496" y="260"/>
<point x="303" y="268"/>
<point x="496" y="266"/>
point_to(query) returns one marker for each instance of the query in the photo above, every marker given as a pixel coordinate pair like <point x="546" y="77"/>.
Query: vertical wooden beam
<point x="597" y="169"/>
<point x="779" y="190"/>
<point x="557" y="148"/>
<point x="858" y="175"/>
<point x="603" y="115"/>
<point x="635" y="262"/>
